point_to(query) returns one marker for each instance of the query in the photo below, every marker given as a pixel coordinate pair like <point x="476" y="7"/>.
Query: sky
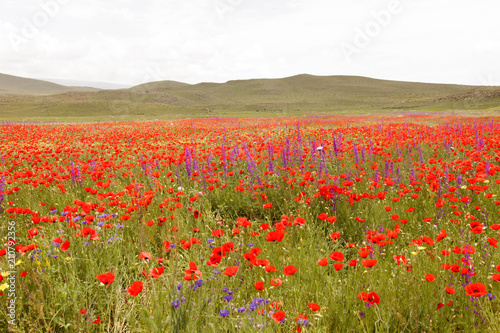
<point x="131" y="42"/>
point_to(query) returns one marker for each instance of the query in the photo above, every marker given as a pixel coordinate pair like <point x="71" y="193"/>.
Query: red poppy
<point x="314" y="306"/>
<point x="335" y="236"/>
<point x="289" y="270"/>
<point x="353" y="262"/>
<point x="322" y="262"/>
<point x="430" y="277"/>
<point x="373" y="298"/>
<point x="196" y="214"/>
<point x="495" y="277"/>
<point x="106" y="278"/>
<point x="83" y="310"/>
<point x="135" y="288"/>
<point x="65" y="246"/>
<point x="145" y="255"/>
<point x="338" y="266"/>
<point x="157" y="272"/>
<point x="270" y="269"/>
<point x="231" y="270"/>
<point x="337" y="256"/>
<point x="323" y="216"/>
<point x="97" y="321"/>
<point x="476" y="289"/>
<point x="450" y="290"/>
<point x="276" y="282"/>
<point x="259" y="285"/>
<point x="218" y="232"/>
<point x="493" y="242"/>
<point x="369" y="262"/>
<point x="279" y="316"/>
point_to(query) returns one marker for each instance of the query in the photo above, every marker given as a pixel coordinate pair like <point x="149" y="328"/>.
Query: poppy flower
<point x="476" y="289"/>
<point x="450" y="290"/>
<point x="145" y="255"/>
<point x="97" y="321"/>
<point x="493" y="242"/>
<point x="369" y="262"/>
<point x="218" y="232"/>
<point x="440" y="305"/>
<point x="353" y="262"/>
<point x="335" y="236"/>
<point x="276" y="282"/>
<point x="337" y="256"/>
<point x="135" y="288"/>
<point x="323" y="216"/>
<point x="259" y="285"/>
<point x="313" y="306"/>
<point x="338" y="266"/>
<point x="495" y="277"/>
<point x="157" y="272"/>
<point x="231" y="270"/>
<point x="106" y="278"/>
<point x="270" y="269"/>
<point x="289" y="270"/>
<point x="279" y="316"/>
<point x="441" y="235"/>
<point x="65" y="246"/>
<point x="196" y="214"/>
<point x="322" y="262"/>
<point x="430" y="277"/>
<point x="363" y="252"/>
<point x="83" y="311"/>
<point x="299" y="221"/>
<point x="373" y="298"/>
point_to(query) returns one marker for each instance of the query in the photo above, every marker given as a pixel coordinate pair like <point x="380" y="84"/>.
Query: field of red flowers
<point x="320" y="224"/>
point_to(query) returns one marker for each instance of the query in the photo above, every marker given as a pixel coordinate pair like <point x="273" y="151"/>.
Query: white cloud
<point x="128" y="41"/>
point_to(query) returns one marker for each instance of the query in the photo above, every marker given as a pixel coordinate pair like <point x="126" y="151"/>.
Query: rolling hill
<point x="15" y="85"/>
<point x="296" y="95"/>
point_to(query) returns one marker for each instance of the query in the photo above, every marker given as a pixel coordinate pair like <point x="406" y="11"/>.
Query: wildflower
<point x="224" y="313"/>
<point x="106" y="278"/>
<point x="135" y="288"/>
<point x="289" y="270"/>
<point x="476" y="289"/>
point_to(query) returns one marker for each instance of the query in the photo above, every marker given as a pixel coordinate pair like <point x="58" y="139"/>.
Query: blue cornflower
<point x="228" y="298"/>
<point x="224" y="313"/>
<point x="176" y="303"/>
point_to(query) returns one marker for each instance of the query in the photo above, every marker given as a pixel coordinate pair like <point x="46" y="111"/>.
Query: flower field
<point x="319" y="224"/>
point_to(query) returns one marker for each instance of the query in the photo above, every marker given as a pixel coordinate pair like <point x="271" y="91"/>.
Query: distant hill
<point x="304" y="91"/>
<point x="10" y="84"/>
<point x="91" y="84"/>
<point x="296" y="95"/>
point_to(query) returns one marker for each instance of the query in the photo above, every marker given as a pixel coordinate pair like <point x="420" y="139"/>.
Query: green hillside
<point x="296" y="95"/>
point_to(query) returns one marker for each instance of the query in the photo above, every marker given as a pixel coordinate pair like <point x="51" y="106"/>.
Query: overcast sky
<point x="132" y="41"/>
